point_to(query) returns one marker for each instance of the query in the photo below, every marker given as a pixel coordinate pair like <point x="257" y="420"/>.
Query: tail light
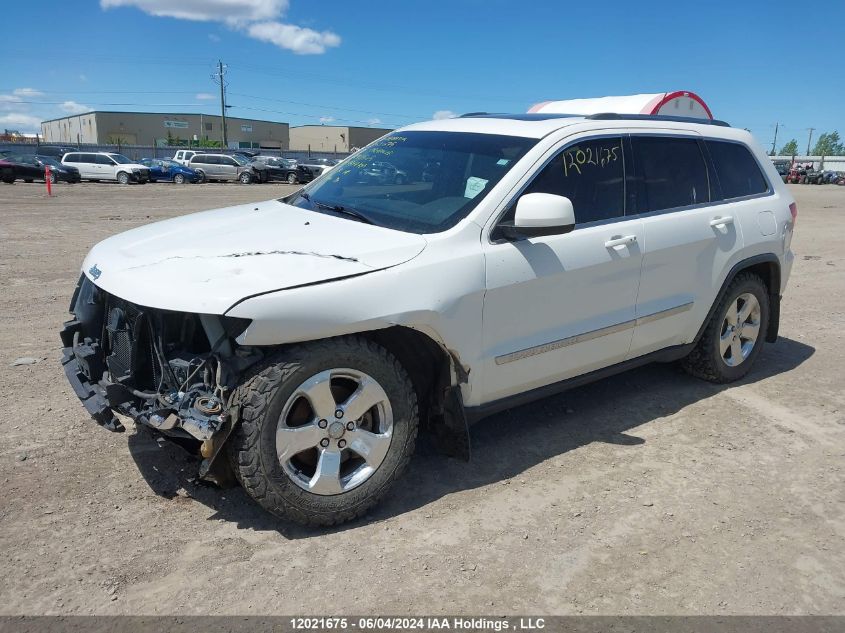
<point x="793" y="209"/>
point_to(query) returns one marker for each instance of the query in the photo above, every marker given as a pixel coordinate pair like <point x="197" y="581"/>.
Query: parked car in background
<point x="107" y="166"/>
<point x="783" y="170"/>
<point x="56" y="151"/>
<point x="169" y="170"/>
<point x="318" y="166"/>
<point x="225" y="167"/>
<point x="12" y="170"/>
<point x="829" y="177"/>
<point x="184" y="156"/>
<point x="284" y="169"/>
<point x="58" y="171"/>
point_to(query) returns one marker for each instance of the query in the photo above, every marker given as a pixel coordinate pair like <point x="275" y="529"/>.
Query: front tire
<point x="734" y="336"/>
<point x="325" y="429"/>
<point x="123" y="178"/>
<point x="54" y="178"/>
<point x="245" y="178"/>
<point x="291" y="178"/>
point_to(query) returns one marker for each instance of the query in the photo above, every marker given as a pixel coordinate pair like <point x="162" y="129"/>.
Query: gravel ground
<point x="647" y="493"/>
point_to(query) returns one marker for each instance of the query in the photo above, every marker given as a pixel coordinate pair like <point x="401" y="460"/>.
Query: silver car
<point x="224" y="167"/>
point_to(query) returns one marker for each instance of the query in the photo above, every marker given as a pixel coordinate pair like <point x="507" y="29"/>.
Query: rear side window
<point x="71" y="158"/>
<point x="670" y="173"/>
<point x="591" y="174"/>
<point x="739" y="174"/>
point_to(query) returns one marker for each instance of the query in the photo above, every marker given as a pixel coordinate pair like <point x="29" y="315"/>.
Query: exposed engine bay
<point x="171" y="371"/>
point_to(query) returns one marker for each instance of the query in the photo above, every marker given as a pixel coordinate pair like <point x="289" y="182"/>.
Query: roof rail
<point x="603" y="116"/>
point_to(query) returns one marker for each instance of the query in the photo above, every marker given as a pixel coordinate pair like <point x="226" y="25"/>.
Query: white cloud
<point x="326" y="119"/>
<point x="229" y="11"/>
<point x="260" y="19"/>
<point x="444" y="114"/>
<point x="20" y="122"/>
<point x="373" y="121"/>
<point x="27" y="92"/>
<point x="205" y="96"/>
<point x="72" y="107"/>
<point x="301" y="41"/>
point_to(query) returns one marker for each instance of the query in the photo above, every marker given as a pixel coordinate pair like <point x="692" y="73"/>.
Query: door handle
<point x="722" y="221"/>
<point x="620" y="241"/>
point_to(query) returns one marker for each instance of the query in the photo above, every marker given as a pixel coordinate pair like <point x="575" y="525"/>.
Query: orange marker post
<point x="48" y="179"/>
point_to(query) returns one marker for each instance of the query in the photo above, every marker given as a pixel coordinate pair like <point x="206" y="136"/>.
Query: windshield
<point x="240" y="160"/>
<point x="420" y="182"/>
<point x="49" y="160"/>
<point x="120" y="159"/>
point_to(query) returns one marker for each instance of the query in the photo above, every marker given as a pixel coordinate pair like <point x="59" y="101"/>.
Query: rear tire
<point x="726" y="351"/>
<point x="294" y="479"/>
<point x="179" y="179"/>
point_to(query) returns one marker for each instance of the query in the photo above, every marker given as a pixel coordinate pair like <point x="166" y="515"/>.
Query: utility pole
<point x="810" y="139"/>
<point x="775" y="141"/>
<point x="219" y="78"/>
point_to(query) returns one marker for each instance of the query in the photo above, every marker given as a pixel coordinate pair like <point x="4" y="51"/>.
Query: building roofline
<point x="228" y="118"/>
<point x="348" y="127"/>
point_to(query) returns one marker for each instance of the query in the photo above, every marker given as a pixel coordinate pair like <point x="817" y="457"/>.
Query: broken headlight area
<point x="171" y="371"/>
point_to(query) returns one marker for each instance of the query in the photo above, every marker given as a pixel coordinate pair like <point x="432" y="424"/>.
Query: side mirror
<point x="539" y="214"/>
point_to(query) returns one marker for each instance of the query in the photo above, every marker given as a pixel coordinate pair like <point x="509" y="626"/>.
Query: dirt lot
<point x="650" y="492"/>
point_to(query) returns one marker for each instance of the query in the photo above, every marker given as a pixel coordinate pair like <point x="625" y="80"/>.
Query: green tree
<point x="829" y="144"/>
<point x="790" y="148"/>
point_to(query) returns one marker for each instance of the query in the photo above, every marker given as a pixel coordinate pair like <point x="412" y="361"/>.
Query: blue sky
<point x="391" y="63"/>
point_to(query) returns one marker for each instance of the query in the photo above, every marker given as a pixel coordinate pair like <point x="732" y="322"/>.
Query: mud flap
<point x="451" y="430"/>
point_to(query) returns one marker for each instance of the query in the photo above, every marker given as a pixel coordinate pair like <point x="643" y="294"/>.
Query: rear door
<point x="689" y="240"/>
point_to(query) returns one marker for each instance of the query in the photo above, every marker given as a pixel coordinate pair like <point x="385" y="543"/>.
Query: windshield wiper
<point x="339" y="209"/>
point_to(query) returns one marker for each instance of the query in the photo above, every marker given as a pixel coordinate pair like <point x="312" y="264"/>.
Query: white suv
<point x="300" y="343"/>
<point x="184" y="156"/>
<point x="107" y="166"/>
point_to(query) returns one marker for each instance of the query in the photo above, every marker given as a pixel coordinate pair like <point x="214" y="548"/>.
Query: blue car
<point x="169" y="170"/>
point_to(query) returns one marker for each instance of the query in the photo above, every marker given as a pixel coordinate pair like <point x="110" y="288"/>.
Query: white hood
<point x="205" y="262"/>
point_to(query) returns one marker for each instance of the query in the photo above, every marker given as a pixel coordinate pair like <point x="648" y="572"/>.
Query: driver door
<point x="562" y="305"/>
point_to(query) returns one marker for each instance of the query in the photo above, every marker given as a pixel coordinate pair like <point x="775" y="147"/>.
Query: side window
<point x="71" y="158"/>
<point x="225" y="160"/>
<point x="87" y="158"/>
<point x="739" y="174"/>
<point x="591" y="174"/>
<point x="102" y="159"/>
<point x="670" y="172"/>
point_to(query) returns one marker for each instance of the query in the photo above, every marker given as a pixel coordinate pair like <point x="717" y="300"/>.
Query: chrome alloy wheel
<point x="334" y="431"/>
<point x="740" y="329"/>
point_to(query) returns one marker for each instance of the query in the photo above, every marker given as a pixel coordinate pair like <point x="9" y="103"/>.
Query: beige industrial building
<point x="333" y="138"/>
<point x="149" y="128"/>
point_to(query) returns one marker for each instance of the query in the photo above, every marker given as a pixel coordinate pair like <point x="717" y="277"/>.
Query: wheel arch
<point x="767" y="267"/>
<point x="436" y="373"/>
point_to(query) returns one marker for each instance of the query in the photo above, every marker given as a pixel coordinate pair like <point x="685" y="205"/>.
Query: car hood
<point x="206" y="262"/>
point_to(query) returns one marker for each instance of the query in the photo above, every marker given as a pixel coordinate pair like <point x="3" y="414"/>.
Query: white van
<point x="107" y="166"/>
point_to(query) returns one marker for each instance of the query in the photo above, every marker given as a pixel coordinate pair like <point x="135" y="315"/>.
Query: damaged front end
<point x="171" y="371"/>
